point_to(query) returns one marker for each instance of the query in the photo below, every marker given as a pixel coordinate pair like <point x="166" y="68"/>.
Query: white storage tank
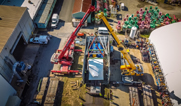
<point x="122" y="6"/>
<point x="133" y="32"/>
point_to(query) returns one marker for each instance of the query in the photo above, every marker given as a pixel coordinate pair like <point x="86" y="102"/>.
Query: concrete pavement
<point x="30" y="53"/>
<point x="120" y="93"/>
<point x="41" y="67"/>
<point x="66" y="10"/>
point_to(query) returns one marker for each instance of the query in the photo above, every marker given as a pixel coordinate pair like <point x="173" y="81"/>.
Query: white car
<point x="55" y="20"/>
<point x="103" y="30"/>
<point x="42" y="39"/>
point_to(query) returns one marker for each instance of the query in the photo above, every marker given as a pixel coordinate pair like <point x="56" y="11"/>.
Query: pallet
<point x="147" y="96"/>
<point x="41" y="93"/>
<point x="52" y="91"/>
<point x="134" y="98"/>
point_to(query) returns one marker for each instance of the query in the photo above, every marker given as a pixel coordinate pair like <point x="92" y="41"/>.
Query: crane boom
<point x="74" y="34"/>
<point x="58" y="57"/>
<point x="119" y="45"/>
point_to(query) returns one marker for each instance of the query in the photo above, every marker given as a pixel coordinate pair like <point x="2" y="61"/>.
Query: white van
<point x="55" y="20"/>
<point x="103" y="30"/>
<point x="42" y="39"/>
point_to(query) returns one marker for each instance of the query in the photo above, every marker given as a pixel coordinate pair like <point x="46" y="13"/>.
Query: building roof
<point x="32" y="7"/>
<point x="167" y="41"/>
<point x="43" y="12"/>
<point x="10" y="16"/>
<point x="96" y="69"/>
<point x="81" y="6"/>
<point x="86" y="5"/>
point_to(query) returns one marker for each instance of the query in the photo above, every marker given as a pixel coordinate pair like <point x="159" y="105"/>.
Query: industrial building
<point x="40" y="10"/>
<point x="166" y="41"/>
<point x="80" y="8"/>
<point x="16" y="28"/>
<point x="32" y="5"/>
<point x="44" y="13"/>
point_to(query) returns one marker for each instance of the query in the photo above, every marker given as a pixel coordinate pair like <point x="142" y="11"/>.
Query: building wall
<point x="6" y="90"/>
<point x="1" y="1"/>
<point x="25" y="26"/>
<point x="80" y="15"/>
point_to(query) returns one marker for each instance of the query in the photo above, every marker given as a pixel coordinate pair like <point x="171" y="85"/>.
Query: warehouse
<point x="32" y="5"/>
<point x="166" y="41"/>
<point x="79" y="10"/>
<point x="44" y="13"/>
<point x="16" y="28"/>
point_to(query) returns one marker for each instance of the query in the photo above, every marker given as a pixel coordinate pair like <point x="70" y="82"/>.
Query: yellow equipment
<point x="130" y="69"/>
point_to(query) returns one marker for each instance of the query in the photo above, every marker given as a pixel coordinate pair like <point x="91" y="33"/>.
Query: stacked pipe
<point x="102" y="6"/>
<point x="118" y="27"/>
<point x="148" y="19"/>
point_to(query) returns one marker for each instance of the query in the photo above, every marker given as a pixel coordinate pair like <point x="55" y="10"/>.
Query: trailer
<point x="52" y="92"/>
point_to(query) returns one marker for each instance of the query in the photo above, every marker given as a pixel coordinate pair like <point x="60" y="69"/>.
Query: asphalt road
<point x="41" y="67"/>
<point x="65" y="7"/>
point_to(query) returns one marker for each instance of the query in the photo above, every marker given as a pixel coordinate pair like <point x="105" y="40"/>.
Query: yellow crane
<point x="130" y="69"/>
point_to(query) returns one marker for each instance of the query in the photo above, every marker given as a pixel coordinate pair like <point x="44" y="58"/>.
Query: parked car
<point x="103" y="30"/>
<point x="55" y="20"/>
<point x="42" y="39"/>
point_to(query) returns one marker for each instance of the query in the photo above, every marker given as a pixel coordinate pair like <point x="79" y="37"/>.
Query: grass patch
<point x="145" y="35"/>
<point x="73" y="95"/>
<point x="106" y="96"/>
<point x="118" y="33"/>
<point x="78" y="59"/>
<point x="106" y="102"/>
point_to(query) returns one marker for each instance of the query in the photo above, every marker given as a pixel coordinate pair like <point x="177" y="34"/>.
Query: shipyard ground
<point x="42" y="65"/>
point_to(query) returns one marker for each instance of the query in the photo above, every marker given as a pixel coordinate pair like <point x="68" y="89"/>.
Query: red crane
<point x="65" y="56"/>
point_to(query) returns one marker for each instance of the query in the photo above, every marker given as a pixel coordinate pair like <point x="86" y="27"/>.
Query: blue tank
<point x="100" y="47"/>
<point x="93" y="46"/>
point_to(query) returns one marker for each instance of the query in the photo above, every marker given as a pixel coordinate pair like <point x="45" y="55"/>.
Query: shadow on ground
<point x="148" y="79"/>
<point x="41" y="67"/>
<point x="119" y="16"/>
<point x="125" y="8"/>
<point x="175" y="97"/>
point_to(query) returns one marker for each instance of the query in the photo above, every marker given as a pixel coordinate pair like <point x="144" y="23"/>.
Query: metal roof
<point x="44" y="11"/>
<point x="10" y="17"/>
<point x="77" y="6"/>
<point x="32" y="7"/>
<point x="81" y="6"/>
<point x="166" y="41"/>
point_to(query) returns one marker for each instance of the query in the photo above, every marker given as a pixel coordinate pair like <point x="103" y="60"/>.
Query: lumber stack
<point x="134" y="98"/>
<point x="41" y="93"/>
<point x="147" y="96"/>
<point x="52" y="91"/>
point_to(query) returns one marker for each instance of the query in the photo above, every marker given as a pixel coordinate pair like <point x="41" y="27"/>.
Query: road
<point x="120" y="93"/>
<point x="41" y="67"/>
<point x="65" y="13"/>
